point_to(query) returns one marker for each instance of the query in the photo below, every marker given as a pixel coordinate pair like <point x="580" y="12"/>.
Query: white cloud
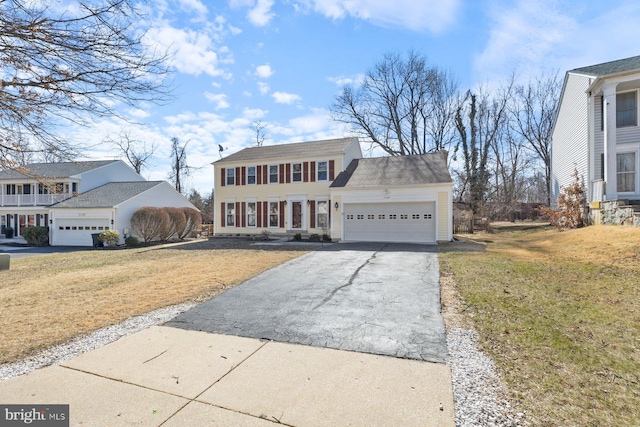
<point x="434" y="15"/>
<point x="264" y="71"/>
<point x="343" y="80"/>
<point x="263" y="88"/>
<point x="542" y="36"/>
<point x="194" y="52"/>
<point x="254" y="113"/>
<point x="196" y="6"/>
<point x="220" y="99"/>
<point x="285" y="98"/>
<point x="261" y="14"/>
<point x="139" y="113"/>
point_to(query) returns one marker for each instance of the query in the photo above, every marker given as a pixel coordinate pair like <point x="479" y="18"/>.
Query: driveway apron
<point x="379" y="298"/>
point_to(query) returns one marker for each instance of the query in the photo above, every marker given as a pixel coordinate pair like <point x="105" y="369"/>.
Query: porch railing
<point x="31" y="199"/>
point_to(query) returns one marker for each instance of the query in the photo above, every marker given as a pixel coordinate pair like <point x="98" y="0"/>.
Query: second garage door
<point x="390" y="222"/>
<point x="77" y="232"/>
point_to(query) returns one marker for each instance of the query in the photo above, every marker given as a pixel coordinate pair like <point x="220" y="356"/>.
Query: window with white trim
<point x="322" y="173"/>
<point x="626" y="172"/>
<point x="251" y="214"/>
<point x="273" y="174"/>
<point x="626" y="109"/>
<point x="296" y="172"/>
<point x="231" y="176"/>
<point x="231" y="214"/>
<point x="251" y="175"/>
<point x="274" y="214"/>
<point x="322" y="214"/>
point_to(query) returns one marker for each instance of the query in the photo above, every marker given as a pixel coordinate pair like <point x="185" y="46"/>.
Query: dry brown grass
<point x="560" y="314"/>
<point x="47" y="300"/>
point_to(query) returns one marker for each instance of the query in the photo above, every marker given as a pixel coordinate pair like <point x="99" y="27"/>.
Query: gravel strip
<point x="77" y="346"/>
<point x="478" y="391"/>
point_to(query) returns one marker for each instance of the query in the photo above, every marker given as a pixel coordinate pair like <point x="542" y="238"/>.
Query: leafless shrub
<point x="193" y="219"/>
<point x="571" y="211"/>
<point x="150" y="223"/>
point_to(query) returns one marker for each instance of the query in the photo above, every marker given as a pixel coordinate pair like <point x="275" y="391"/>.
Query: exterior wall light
<point x="336" y="205"/>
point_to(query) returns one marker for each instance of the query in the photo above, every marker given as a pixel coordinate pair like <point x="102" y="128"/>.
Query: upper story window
<point x="273" y="174"/>
<point x="626" y="109"/>
<point x="296" y="172"/>
<point x="323" y="173"/>
<point x="231" y="176"/>
<point x="251" y="175"/>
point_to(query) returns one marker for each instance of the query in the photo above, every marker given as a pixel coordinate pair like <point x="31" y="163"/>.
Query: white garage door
<point x="77" y="232"/>
<point x="390" y="222"/>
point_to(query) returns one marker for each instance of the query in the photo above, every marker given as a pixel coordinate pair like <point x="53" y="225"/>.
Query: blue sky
<point x="283" y="62"/>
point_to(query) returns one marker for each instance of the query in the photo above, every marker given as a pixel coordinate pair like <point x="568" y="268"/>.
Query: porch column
<point x="610" y="176"/>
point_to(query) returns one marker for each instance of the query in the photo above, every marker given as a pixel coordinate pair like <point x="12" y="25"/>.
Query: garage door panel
<point x="392" y="222"/>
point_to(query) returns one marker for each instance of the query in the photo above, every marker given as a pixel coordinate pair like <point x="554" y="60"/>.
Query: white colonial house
<point x="597" y="133"/>
<point x="78" y="199"/>
<point x="327" y="187"/>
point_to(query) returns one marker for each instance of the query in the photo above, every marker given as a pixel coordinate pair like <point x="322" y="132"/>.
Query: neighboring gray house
<point x="77" y="199"/>
<point x="597" y="132"/>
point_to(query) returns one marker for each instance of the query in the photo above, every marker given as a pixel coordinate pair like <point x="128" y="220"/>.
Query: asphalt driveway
<point x="368" y="297"/>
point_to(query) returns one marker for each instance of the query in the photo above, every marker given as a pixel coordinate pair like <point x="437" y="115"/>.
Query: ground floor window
<point x="626" y="172"/>
<point x="251" y="214"/>
<point x="274" y="212"/>
<point x="231" y="214"/>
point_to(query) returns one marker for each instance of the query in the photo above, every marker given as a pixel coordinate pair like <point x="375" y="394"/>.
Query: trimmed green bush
<point x="132" y="241"/>
<point x="34" y="235"/>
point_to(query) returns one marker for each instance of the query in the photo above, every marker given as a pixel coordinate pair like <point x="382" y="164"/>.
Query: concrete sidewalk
<point x="174" y="377"/>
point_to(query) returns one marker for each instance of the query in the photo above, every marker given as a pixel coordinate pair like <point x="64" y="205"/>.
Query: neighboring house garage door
<point x="390" y="222"/>
<point x="77" y="232"/>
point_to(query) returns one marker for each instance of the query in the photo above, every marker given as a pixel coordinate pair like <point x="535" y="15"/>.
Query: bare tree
<point x="479" y="122"/>
<point x="404" y="106"/>
<point x="180" y="170"/>
<point x="533" y="110"/>
<point x="258" y="127"/>
<point x="135" y="151"/>
<point x="69" y="64"/>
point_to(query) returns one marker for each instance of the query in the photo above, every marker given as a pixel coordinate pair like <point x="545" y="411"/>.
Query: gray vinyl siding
<point x="628" y="135"/>
<point x="570" y="140"/>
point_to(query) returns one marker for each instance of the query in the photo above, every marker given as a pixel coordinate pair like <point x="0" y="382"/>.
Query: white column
<point x="611" y="191"/>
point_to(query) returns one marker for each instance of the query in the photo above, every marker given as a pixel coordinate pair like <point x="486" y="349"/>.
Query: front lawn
<point x="48" y="299"/>
<point x="560" y="314"/>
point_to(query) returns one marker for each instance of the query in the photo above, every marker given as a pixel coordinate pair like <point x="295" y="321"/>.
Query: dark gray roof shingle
<point x="108" y="195"/>
<point x="392" y="171"/>
<point x="54" y="170"/>
<point x="298" y="149"/>
<point x="613" y="67"/>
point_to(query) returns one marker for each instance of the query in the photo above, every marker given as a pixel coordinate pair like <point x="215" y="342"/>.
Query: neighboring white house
<point x="78" y="199"/>
<point x="326" y="187"/>
<point x="597" y="132"/>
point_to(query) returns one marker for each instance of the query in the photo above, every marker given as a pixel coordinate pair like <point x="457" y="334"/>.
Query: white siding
<point x="113" y="172"/>
<point x="628" y="135"/>
<point x="569" y="147"/>
<point x="160" y="196"/>
<point x="353" y="151"/>
<point x="598" y="137"/>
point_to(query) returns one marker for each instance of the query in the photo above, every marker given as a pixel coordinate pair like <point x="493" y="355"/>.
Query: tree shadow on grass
<point x="461" y="245"/>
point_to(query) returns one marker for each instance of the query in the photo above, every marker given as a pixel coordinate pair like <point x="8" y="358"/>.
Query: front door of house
<point x="296" y="215"/>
